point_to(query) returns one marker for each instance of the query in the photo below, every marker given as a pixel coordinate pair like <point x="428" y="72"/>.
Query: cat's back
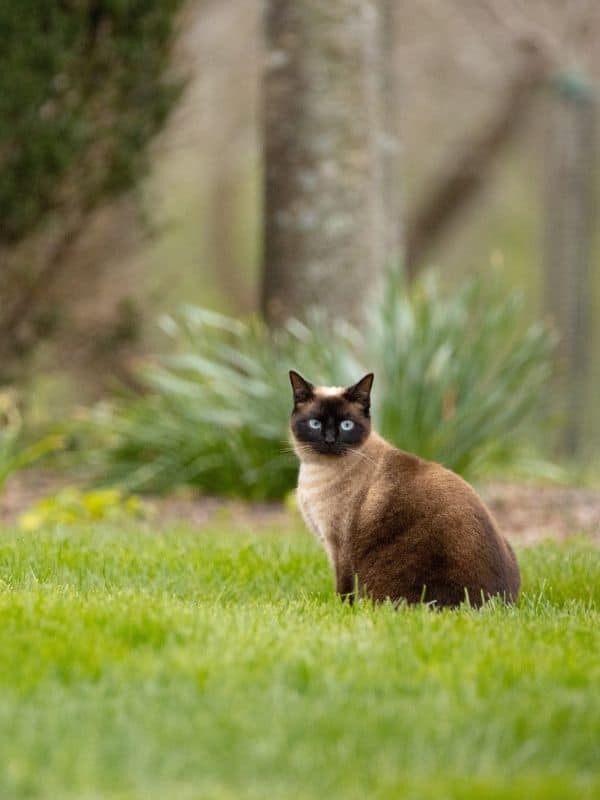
<point x="417" y="489"/>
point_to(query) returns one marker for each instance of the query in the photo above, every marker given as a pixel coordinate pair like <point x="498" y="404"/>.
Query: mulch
<point x="532" y="513"/>
<point x="526" y="513"/>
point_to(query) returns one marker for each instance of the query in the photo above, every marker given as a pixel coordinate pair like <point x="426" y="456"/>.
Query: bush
<point x="458" y="377"/>
<point x="455" y="381"/>
<point x="216" y="413"/>
<point x="82" y="91"/>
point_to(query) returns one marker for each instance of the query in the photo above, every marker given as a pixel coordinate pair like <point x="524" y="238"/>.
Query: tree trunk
<point x="391" y="148"/>
<point x="324" y="213"/>
<point x="568" y="233"/>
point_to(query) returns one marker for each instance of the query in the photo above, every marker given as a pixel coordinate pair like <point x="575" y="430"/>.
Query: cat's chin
<point x="332" y="453"/>
<point x="306" y="452"/>
<point x="336" y="451"/>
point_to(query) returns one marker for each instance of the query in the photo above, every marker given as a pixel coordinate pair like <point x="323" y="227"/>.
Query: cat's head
<point x="330" y="420"/>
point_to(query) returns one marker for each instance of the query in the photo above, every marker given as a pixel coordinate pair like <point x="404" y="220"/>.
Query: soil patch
<point x="525" y="513"/>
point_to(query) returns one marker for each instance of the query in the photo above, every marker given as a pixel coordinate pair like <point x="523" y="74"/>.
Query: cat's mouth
<point x="331" y="449"/>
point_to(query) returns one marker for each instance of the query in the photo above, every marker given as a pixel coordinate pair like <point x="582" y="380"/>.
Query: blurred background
<point x="409" y="188"/>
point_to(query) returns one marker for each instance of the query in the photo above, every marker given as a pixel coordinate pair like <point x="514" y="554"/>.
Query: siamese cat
<point x="394" y="526"/>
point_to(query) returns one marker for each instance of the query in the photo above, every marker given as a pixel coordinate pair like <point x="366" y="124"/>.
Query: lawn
<point x="220" y="665"/>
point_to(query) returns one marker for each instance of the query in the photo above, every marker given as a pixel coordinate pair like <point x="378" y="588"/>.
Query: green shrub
<point x="216" y="413"/>
<point x="458" y="377"/>
<point x="455" y="381"/>
<point x="83" y="87"/>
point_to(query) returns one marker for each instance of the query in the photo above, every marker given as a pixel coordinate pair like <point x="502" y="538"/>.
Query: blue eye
<point x="315" y="424"/>
<point x="346" y="424"/>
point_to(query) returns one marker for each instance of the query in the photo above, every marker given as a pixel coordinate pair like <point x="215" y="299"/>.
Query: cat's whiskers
<point x="288" y="447"/>
<point x="301" y="447"/>
<point x="360" y="454"/>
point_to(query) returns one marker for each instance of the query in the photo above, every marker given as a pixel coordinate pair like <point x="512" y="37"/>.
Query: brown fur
<point x="394" y="525"/>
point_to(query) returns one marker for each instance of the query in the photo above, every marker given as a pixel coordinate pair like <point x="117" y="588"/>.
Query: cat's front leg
<point x="345" y="580"/>
<point x="309" y="520"/>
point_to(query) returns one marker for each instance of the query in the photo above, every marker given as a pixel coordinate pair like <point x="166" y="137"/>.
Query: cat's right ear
<point x="303" y="390"/>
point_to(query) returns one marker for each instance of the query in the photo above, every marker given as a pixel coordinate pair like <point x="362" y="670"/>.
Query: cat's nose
<point x="330" y="437"/>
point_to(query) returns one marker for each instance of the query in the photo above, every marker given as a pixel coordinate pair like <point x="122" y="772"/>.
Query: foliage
<point x="222" y="665"/>
<point x="455" y="381"/>
<point x="71" y="506"/>
<point x="82" y="90"/>
<point x="458" y="377"/>
<point x="15" y="454"/>
<point x="216" y="413"/>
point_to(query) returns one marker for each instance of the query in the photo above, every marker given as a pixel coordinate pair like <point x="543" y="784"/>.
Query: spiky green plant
<point x="455" y="381"/>
<point x="458" y="376"/>
<point x="216" y="412"/>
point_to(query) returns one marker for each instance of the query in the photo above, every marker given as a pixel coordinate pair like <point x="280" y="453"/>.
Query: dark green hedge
<point x="83" y="87"/>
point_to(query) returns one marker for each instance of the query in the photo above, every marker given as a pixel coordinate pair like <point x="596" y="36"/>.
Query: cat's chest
<point x="324" y="498"/>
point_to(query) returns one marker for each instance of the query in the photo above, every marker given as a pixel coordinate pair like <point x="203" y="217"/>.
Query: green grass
<point x="211" y="665"/>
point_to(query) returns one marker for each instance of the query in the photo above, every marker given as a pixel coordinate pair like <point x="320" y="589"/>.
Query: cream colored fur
<point x="328" y="487"/>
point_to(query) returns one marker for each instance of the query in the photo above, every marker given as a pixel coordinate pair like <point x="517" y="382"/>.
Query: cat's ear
<point x="303" y="390"/>
<point x="361" y="392"/>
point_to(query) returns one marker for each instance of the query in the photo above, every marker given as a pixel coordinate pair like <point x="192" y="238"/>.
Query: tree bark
<point x="391" y="139"/>
<point x="325" y="229"/>
<point x="568" y="236"/>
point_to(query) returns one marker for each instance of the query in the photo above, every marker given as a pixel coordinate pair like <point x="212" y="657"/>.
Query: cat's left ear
<point x="361" y="392"/>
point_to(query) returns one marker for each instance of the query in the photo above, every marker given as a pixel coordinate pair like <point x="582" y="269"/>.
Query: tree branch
<point x="27" y="301"/>
<point x="467" y="172"/>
